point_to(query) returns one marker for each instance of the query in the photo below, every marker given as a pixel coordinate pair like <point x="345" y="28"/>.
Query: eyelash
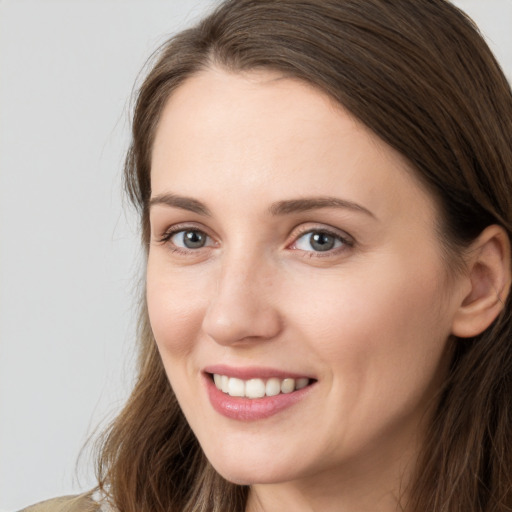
<point x="345" y="240"/>
<point x="166" y="238"/>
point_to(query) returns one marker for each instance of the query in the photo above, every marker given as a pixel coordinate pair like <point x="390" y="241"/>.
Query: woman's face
<point x="294" y="256"/>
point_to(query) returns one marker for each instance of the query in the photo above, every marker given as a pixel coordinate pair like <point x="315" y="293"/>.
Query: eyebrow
<point x="279" y="208"/>
<point x="184" y="203"/>
<point x="313" y="203"/>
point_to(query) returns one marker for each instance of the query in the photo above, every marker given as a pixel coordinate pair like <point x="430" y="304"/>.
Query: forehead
<point x="259" y="131"/>
<point x="213" y="102"/>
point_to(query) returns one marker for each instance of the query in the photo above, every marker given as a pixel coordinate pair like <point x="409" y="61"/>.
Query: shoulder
<point x="80" y="503"/>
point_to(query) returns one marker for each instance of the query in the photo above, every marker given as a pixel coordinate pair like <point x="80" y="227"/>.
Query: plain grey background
<point x="69" y="253"/>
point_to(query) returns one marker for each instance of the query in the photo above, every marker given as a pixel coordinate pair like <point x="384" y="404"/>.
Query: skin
<point x="369" y="320"/>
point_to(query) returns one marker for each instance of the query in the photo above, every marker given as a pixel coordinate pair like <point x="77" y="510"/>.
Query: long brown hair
<point x="421" y="77"/>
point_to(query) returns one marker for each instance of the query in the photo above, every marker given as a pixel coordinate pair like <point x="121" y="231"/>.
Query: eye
<point x="188" y="239"/>
<point x="319" y="241"/>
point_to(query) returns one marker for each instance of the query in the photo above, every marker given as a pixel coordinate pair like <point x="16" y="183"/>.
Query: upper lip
<point x="253" y="372"/>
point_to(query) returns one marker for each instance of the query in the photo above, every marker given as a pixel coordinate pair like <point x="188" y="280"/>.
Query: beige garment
<point x="81" y="503"/>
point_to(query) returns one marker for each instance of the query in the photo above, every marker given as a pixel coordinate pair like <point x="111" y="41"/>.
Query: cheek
<point x="382" y="331"/>
<point x="376" y="304"/>
<point x="175" y="304"/>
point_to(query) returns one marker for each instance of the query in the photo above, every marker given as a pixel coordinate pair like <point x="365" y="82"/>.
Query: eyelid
<point x="298" y="232"/>
<point x="346" y="239"/>
<point x="169" y="232"/>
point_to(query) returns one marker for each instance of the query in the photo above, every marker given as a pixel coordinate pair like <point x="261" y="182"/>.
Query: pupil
<point x="322" y="241"/>
<point x="193" y="239"/>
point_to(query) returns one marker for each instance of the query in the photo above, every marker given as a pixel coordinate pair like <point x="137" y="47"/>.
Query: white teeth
<point x="288" y="385"/>
<point x="224" y="382"/>
<point x="236" y="387"/>
<point x="273" y="387"/>
<point x="257" y="388"/>
<point x="254" y="388"/>
<point x="301" y="383"/>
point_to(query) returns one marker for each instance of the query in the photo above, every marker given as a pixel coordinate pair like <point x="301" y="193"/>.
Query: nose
<point x="242" y="309"/>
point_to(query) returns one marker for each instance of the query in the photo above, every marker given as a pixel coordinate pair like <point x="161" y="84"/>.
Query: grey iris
<point x="321" y="241"/>
<point x="194" y="239"/>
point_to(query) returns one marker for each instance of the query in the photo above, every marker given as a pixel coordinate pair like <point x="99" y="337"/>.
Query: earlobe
<point x="489" y="276"/>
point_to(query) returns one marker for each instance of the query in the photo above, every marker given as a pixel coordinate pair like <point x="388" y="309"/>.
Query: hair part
<point x="420" y="76"/>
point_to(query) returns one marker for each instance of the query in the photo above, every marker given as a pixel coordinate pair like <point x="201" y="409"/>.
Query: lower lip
<point x="252" y="409"/>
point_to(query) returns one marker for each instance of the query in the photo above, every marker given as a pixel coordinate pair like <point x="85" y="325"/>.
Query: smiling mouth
<point x="258" y="388"/>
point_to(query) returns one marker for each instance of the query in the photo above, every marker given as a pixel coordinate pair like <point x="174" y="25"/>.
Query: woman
<point x="324" y="190"/>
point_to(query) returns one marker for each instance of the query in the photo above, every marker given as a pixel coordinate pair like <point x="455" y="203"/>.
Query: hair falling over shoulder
<point x="421" y="77"/>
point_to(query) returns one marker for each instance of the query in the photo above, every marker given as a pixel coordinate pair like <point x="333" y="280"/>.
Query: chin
<point x="254" y="470"/>
<point x="250" y="476"/>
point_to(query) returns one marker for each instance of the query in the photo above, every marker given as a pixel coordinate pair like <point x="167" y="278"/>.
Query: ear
<point x="489" y="276"/>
